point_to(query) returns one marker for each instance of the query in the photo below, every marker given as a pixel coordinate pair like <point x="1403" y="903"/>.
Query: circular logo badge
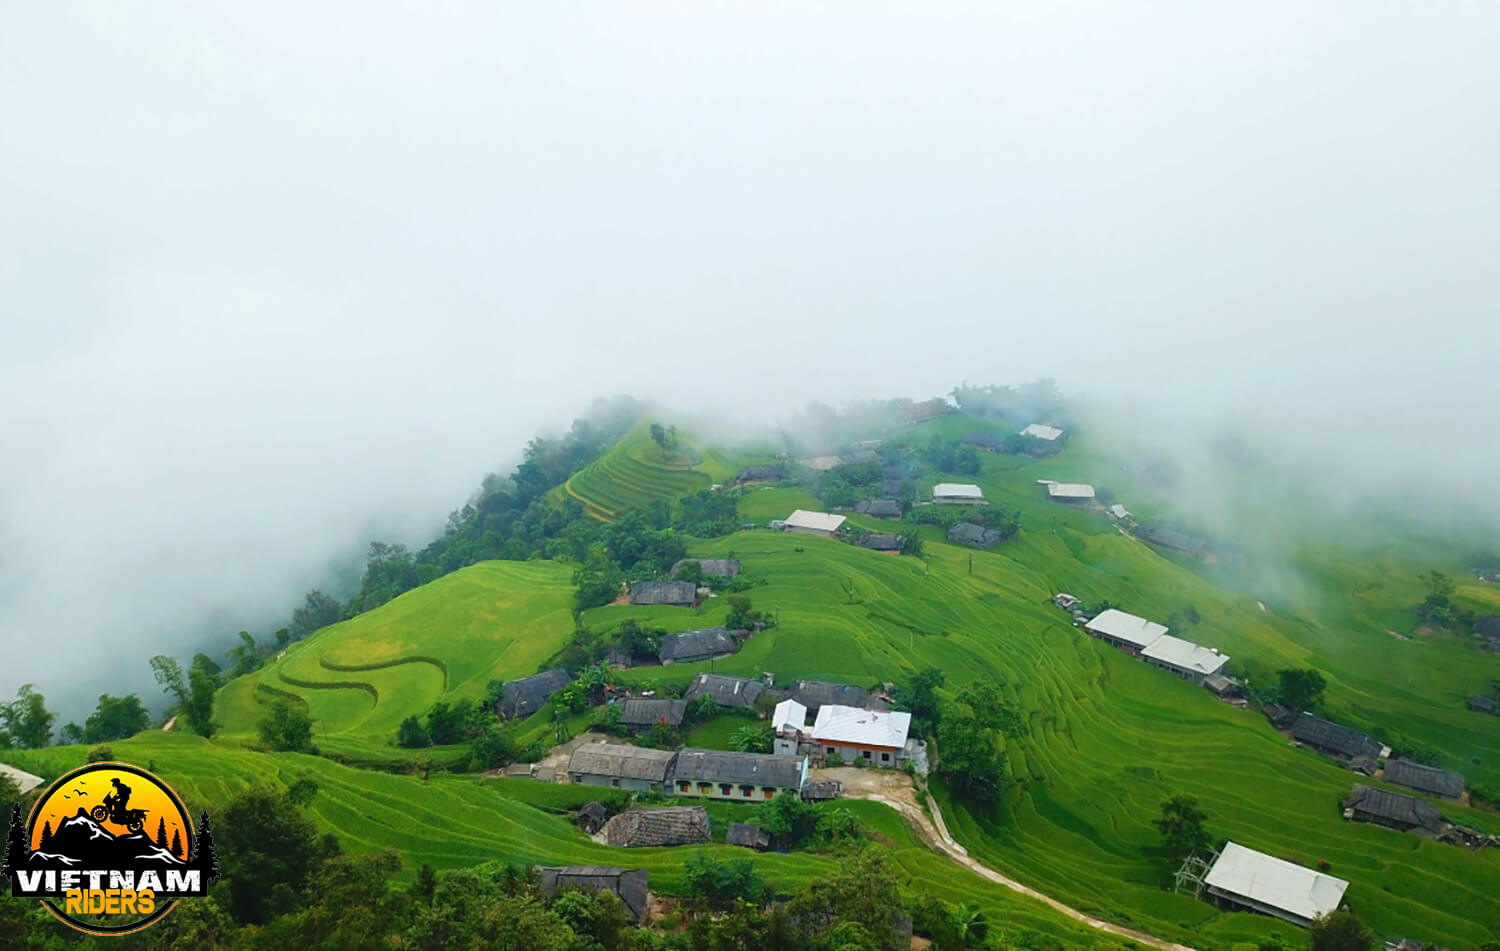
<point x="110" y="849"/>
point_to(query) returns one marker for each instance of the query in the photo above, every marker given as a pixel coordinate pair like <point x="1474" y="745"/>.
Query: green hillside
<point x="445" y="640"/>
<point x="635" y="472"/>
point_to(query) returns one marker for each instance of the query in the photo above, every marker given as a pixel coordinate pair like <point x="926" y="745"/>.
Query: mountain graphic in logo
<point x="80" y="842"/>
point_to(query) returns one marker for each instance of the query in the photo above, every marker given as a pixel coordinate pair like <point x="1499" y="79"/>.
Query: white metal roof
<point x="1070" y="490"/>
<point x="1041" y="432"/>
<point x="1271" y="881"/>
<point x="790" y="715"/>
<point x="817" y="521"/>
<point x="839" y="724"/>
<point x="956" y="490"/>
<point x="24" y="781"/>
<point x="1126" y="627"/>
<point x="1119" y="511"/>
<point x="1185" y="654"/>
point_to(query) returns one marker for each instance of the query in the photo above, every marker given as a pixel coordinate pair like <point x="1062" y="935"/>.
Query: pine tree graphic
<point x="15" y="846"/>
<point x="205" y="859"/>
<point x="177" y="844"/>
<point x="161" y="832"/>
<point x="46" y="836"/>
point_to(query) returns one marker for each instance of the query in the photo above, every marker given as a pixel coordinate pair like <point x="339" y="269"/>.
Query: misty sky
<point x="274" y="277"/>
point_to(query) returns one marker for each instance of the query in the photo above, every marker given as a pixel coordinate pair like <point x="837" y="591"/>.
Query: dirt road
<point x="895" y="790"/>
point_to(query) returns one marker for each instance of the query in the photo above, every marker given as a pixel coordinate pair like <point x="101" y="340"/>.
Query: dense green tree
<point x="659" y="436"/>
<point x="1181" y="827"/>
<point x="864" y="889"/>
<point x="115" y="719"/>
<point x="753" y="738"/>
<point x="411" y="735"/>
<point x="709" y="514"/>
<point x="271" y="851"/>
<point x="453" y="722"/>
<point x="492" y="747"/>
<point x="318" y="610"/>
<point x="919" y="694"/>
<point x="199" y="709"/>
<point x="26" y="722"/>
<point x="99" y="754"/>
<point x="1341" y="931"/>
<point x="1300" y="689"/>
<point x="286" y="727"/>
<point x="169" y="675"/>
<point x="969" y="757"/>
<point x="741" y="615"/>
<point x="71" y="734"/>
<point x="354" y="907"/>
<point x="638" y="641"/>
<point x="595" y="916"/>
<point x="721" y="883"/>
<point x="598" y="579"/>
<point x="911" y="542"/>
<point x="787" y="817"/>
<point x="245" y="656"/>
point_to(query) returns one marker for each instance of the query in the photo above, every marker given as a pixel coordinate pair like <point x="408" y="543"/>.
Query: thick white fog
<point x="275" y="278"/>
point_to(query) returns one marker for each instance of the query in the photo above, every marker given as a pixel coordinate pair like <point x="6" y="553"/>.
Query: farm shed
<point x="813" y="694"/>
<point x="1428" y="779"/>
<point x="25" y="782"/>
<point x="1333" y="738"/>
<point x="1070" y="492"/>
<point x="1118" y="512"/>
<point x="1043" y="432"/>
<point x="591" y="818"/>
<point x="877" y="737"/>
<point x="957" y="493"/>
<point x="1171" y="539"/>
<point x="690" y="646"/>
<point x="1273" y="886"/>
<point x="1393" y="810"/>
<point x="880" y="542"/>
<point x="626" y="884"/>
<point x="526" y="696"/>
<point x="1184" y="658"/>
<point x="734" y="692"/>
<point x="747" y="835"/>
<point x="975" y="536"/>
<point x="878" y="508"/>
<point x="1483" y="704"/>
<point x="668" y="825"/>
<point x="680" y="593"/>
<point x="821" y="790"/>
<point x="641" y="714"/>
<point x="1222" y="686"/>
<point x="758" y="474"/>
<point x="619" y="767"/>
<point x="804" y="522"/>
<point x="713" y="567"/>
<point x="1125" y="630"/>
<point x="1281" y="717"/>
<point x="717" y="774"/>
<point x="990" y="442"/>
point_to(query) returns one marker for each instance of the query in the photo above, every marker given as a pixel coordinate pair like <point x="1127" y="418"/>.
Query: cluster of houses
<point x="1150" y="641"/>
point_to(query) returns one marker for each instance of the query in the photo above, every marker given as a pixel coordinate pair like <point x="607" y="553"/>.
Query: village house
<point x="526" y="696"/>
<point x="1171" y="539"/>
<point x="1483" y="704"/>
<point x="748" y="836"/>
<point x="1045" y="433"/>
<point x="803" y="522"/>
<point x="702" y="644"/>
<point x="626" y="884"/>
<point x="927" y="409"/>
<point x="1071" y="493"/>
<point x="735" y="693"/>
<point x="889" y="544"/>
<point x="957" y="493"/>
<point x="1184" y="658"/>
<point x="989" y="442"/>
<point x="24" y="782"/>
<point x="877" y="737"/>
<point x="1393" y="810"/>
<point x="813" y="694"/>
<point x="1124" y="630"/>
<point x="975" y="536"/>
<point x="640" y="714"/>
<point x="591" y="818"/>
<point x="789" y="727"/>
<point x="619" y="767"/>
<point x="1488" y="626"/>
<point x="1281" y="717"/>
<point x="878" y="508"/>
<point x="1443" y="783"/>
<point x="751" y="474"/>
<point x="679" y="593"/>
<point x="1249" y="879"/>
<point x="717" y="774"/>
<point x="1334" y="739"/>
<point x="664" y="826"/>
<point x="712" y="567"/>
<point x="1119" y="513"/>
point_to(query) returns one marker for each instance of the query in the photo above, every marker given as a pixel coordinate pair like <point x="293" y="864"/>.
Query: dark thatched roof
<point x="594" y="812"/>
<point x="726" y="691"/>
<point x="1170" y="538"/>
<point x="1487" y="626"/>
<point x="975" y="536"/>
<point x="758" y="474"/>
<point x="698" y="645"/>
<point x="879" y="508"/>
<point x="1281" y="717"/>
<point x="619" y="761"/>
<point x="627" y="884"/>
<point x="1483" y="704"/>
<point x="1427" y="779"/>
<point x="747" y="835"/>
<point x="879" y="542"/>
<point x="984" y="440"/>
<point x="721" y="567"/>
<point x="663" y="592"/>
<point x="1405" y="811"/>
<point x="751" y="769"/>
<point x="669" y="825"/>
<point x="1332" y="737"/>
<point x="813" y="694"/>
<point x="529" y="694"/>
<point x="648" y="712"/>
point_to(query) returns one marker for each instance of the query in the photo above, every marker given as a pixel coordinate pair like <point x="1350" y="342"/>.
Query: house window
<point x="865" y="753"/>
<point x="768" y="791"/>
<point x="725" y="789"/>
<point x="885" y="757"/>
<point x="615" y="783"/>
<point x="705" y="788"/>
<point x="682" y="785"/>
<point x="747" y="791"/>
<point x="829" y="750"/>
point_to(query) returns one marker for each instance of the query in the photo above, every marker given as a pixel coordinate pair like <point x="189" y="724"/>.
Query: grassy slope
<point x="1109" y="737"/>
<point x="447" y="639"/>
<point x="458" y="821"/>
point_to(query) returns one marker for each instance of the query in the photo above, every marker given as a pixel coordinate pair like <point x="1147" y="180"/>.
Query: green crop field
<point x="635" y="472"/>
<point x="446" y="640"/>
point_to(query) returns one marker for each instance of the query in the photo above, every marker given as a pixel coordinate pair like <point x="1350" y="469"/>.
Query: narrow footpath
<point x="894" y="789"/>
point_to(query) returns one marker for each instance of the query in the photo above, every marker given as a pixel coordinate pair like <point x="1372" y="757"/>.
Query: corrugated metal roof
<point x="1297" y="890"/>
<point x="789" y="714"/>
<point x="1185" y="654"/>
<point x="838" y="724"/>
<point x="1069" y="490"/>
<point x="755" y="769"/>
<point x="1428" y="779"/>
<point x="814" y="521"/>
<point x="726" y="691"/>
<point x="1126" y="627"/>
<point x="621" y="761"/>
<point x="696" y="645"/>
<point x="644" y="711"/>
<point x="1041" y="431"/>
<point x="956" y="490"/>
<point x="527" y="695"/>
<point x="24" y="781"/>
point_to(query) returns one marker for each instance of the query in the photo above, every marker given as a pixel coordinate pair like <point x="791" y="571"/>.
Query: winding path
<point x="895" y="790"/>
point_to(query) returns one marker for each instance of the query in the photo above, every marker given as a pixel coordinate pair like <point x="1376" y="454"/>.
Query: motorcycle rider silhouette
<point x="114" y="809"/>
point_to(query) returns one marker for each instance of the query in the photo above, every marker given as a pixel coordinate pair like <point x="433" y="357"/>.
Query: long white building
<point x="1273" y="886"/>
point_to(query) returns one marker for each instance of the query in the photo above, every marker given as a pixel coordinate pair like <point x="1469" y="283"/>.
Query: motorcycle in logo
<point x="109" y="849"/>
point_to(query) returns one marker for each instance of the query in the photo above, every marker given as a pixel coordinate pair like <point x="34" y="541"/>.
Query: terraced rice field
<point x="360" y="678"/>
<point x="634" y="473"/>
